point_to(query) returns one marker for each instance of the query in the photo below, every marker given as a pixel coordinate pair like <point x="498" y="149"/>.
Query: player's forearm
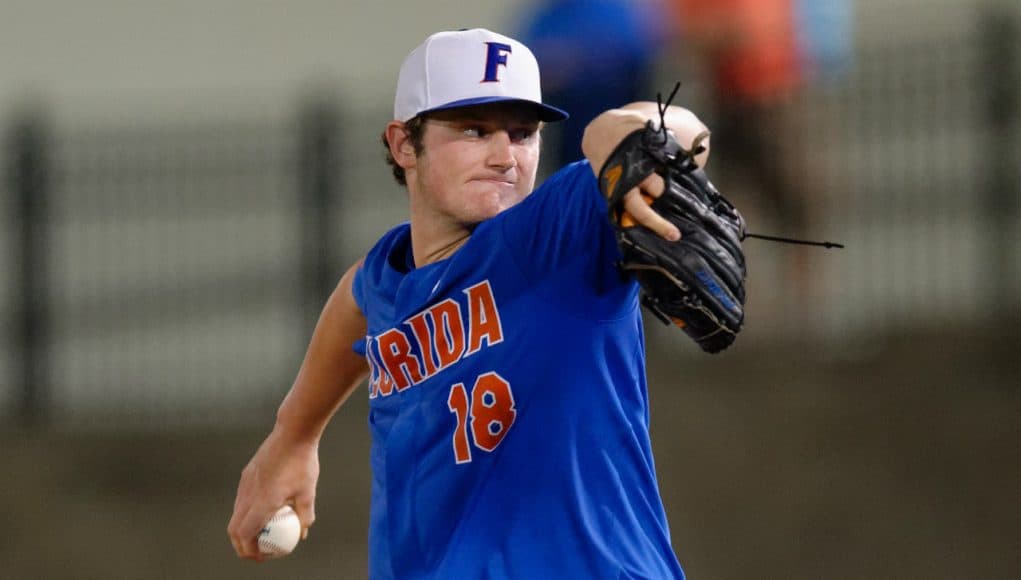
<point x="331" y="370"/>
<point x="313" y="400"/>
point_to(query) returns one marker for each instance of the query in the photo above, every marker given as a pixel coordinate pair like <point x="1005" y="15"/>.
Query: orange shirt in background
<point x="751" y="44"/>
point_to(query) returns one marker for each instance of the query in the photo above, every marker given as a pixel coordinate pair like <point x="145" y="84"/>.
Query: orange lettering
<point x="425" y="341"/>
<point x="385" y="385"/>
<point x="483" y="317"/>
<point x="446" y="317"/>
<point x="402" y="366"/>
<point x="370" y="357"/>
<point x="492" y="410"/>
<point x="457" y="402"/>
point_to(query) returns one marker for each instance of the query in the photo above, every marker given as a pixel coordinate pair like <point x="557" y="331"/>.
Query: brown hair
<point x="415" y="128"/>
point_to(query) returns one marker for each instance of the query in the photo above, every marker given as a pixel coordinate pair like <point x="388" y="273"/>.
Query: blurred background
<point x="183" y="184"/>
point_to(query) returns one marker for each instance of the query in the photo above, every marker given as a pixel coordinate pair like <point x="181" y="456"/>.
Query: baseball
<point x="281" y="533"/>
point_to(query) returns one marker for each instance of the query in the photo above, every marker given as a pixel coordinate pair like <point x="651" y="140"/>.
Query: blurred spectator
<point x="594" y="55"/>
<point x="749" y="52"/>
<point x="825" y="37"/>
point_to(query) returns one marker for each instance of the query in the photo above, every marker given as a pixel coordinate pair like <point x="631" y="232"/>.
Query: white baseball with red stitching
<point x="281" y="533"/>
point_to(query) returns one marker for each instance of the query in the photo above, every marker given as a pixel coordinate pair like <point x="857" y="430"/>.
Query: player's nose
<point x="501" y="152"/>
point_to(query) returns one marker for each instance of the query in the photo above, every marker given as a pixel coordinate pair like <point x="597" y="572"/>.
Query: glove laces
<point x="699" y="148"/>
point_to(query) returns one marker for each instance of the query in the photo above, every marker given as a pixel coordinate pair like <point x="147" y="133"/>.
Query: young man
<point x="503" y="348"/>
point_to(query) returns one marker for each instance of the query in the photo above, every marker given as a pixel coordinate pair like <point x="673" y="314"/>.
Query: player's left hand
<point x="604" y="134"/>
<point x="638" y="210"/>
<point x="696" y="282"/>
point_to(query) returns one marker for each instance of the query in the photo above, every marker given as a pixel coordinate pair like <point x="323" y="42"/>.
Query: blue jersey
<point x="508" y="405"/>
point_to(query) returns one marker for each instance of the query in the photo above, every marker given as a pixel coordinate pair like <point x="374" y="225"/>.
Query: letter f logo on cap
<point x="496" y="55"/>
<point x="443" y="73"/>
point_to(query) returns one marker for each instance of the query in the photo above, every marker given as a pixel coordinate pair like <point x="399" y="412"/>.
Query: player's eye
<point x="473" y="131"/>
<point x="522" y="134"/>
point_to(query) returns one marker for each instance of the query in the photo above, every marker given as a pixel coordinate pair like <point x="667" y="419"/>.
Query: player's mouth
<point x="502" y="186"/>
<point x="498" y="179"/>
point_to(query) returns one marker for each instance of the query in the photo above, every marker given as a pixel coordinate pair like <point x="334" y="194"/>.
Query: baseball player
<point x="502" y="346"/>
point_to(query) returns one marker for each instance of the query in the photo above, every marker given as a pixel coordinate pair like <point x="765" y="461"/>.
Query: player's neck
<point x="432" y="241"/>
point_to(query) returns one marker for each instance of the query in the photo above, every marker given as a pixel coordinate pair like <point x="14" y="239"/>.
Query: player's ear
<point x="401" y="147"/>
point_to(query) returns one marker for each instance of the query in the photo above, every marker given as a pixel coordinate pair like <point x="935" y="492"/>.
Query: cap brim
<point x="547" y="113"/>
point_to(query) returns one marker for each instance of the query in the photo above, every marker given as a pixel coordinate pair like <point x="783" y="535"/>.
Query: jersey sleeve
<point x="562" y="231"/>
<point x="358" y="293"/>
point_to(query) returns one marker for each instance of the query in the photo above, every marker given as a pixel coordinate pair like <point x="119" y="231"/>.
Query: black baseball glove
<point x="697" y="282"/>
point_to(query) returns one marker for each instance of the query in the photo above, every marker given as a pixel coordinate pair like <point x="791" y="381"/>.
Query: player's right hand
<point x="283" y="471"/>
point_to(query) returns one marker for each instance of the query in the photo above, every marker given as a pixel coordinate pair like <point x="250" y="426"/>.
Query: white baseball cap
<point x="469" y="67"/>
